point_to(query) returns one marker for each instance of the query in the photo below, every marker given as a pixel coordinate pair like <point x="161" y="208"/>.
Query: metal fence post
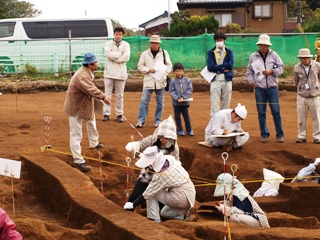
<point x="70" y="55"/>
<point x="56" y="64"/>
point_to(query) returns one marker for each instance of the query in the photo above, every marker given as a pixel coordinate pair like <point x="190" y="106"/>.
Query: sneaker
<point x="156" y="124"/>
<point x="139" y="125"/>
<point x="100" y="145"/>
<point x="190" y="133"/>
<point x="81" y="166"/>
<point x="281" y="140"/>
<point x="301" y="140"/>
<point x="105" y="118"/>
<point x="316" y="141"/>
<point x="264" y="139"/>
<point x="181" y="133"/>
<point x="120" y="118"/>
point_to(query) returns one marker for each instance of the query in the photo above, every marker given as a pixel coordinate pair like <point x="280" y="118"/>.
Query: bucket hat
<point x="89" y="58"/>
<point x="227" y="184"/>
<point x="151" y="156"/>
<point x="155" y="39"/>
<point x="264" y="39"/>
<point x="304" y="52"/>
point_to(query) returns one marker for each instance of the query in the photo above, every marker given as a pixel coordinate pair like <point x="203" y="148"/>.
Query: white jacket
<point x="116" y="58"/>
<point x="146" y="62"/>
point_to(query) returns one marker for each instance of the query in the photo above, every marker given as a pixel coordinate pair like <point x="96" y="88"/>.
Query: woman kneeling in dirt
<point x="244" y="208"/>
<point x="170" y="185"/>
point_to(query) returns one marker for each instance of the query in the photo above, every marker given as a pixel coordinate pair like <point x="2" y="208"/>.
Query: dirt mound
<point x="55" y="201"/>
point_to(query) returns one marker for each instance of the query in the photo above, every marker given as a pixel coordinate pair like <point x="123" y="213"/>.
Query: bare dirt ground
<point x="293" y="214"/>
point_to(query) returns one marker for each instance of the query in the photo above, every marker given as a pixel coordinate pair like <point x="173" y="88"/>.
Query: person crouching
<point x="170" y="185"/>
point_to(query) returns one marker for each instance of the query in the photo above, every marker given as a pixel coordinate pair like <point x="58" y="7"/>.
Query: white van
<point x="45" y="43"/>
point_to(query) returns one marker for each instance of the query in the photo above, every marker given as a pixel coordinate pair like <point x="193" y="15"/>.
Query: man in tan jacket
<point x="79" y="105"/>
<point x="146" y="65"/>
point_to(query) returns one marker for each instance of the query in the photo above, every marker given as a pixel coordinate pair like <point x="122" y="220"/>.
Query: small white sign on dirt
<point x="10" y="168"/>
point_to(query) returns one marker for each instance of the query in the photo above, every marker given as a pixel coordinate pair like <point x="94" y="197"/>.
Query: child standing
<point x="181" y="89"/>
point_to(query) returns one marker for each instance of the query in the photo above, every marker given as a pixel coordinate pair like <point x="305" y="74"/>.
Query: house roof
<point x="143" y="25"/>
<point x="215" y="1"/>
<point x="185" y="4"/>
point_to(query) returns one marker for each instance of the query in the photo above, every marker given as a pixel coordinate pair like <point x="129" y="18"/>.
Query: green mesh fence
<point x="50" y="56"/>
<point x="192" y="51"/>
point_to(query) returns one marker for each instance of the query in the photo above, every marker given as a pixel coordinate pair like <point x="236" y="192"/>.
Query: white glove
<point x="133" y="147"/>
<point x="129" y="147"/>
<point x="222" y="209"/>
<point x="128" y="205"/>
<point x="317" y="161"/>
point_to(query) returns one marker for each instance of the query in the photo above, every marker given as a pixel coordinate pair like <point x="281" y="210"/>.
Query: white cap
<point x="317" y="161"/>
<point x="151" y="156"/>
<point x="241" y="111"/>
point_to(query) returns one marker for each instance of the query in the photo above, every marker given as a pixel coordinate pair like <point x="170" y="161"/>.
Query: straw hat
<point x="304" y="52"/>
<point x="155" y="39"/>
<point x="264" y="39"/>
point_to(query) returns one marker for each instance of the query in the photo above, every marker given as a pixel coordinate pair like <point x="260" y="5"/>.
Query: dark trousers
<point x="137" y="191"/>
<point x="185" y="113"/>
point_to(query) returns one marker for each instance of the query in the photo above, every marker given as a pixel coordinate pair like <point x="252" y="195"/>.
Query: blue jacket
<point x="227" y="64"/>
<point x="175" y="91"/>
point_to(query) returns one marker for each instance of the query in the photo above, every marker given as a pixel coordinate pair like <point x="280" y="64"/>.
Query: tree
<point x="17" y="9"/>
<point x="182" y="25"/>
<point x="305" y="9"/>
<point x="312" y="24"/>
<point x="313" y="4"/>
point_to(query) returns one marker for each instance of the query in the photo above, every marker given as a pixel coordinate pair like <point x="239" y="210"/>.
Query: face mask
<point x="167" y="142"/>
<point x="219" y="44"/>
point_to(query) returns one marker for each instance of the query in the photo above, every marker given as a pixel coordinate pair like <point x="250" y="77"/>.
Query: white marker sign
<point x="10" y="168"/>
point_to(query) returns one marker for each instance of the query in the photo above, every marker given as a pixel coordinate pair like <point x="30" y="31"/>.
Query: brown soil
<point x="55" y="201"/>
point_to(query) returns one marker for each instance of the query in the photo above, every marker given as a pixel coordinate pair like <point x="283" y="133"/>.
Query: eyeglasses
<point x="239" y="117"/>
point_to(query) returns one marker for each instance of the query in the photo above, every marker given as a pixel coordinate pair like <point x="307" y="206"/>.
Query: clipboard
<point x="98" y="106"/>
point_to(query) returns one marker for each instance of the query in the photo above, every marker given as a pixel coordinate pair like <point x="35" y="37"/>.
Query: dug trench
<point x="55" y="201"/>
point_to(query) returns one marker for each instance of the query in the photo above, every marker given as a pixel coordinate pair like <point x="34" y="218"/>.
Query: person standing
<point x="115" y="72"/>
<point x="262" y="73"/>
<point x="220" y="61"/>
<point x="306" y="75"/>
<point x="224" y="122"/>
<point x="181" y="89"/>
<point x="146" y="65"/>
<point x="79" y="105"/>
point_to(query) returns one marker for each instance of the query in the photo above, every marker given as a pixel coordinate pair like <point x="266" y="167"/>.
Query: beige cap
<point x="155" y="39"/>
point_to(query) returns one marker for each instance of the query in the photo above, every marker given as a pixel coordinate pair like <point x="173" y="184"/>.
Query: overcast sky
<point x="130" y="13"/>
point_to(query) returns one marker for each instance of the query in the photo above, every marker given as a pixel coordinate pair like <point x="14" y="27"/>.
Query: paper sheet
<point x="187" y="100"/>
<point x="207" y="75"/>
<point x="160" y="68"/>
<point x="229" y="135"/>
<point x="258" y="68"/>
